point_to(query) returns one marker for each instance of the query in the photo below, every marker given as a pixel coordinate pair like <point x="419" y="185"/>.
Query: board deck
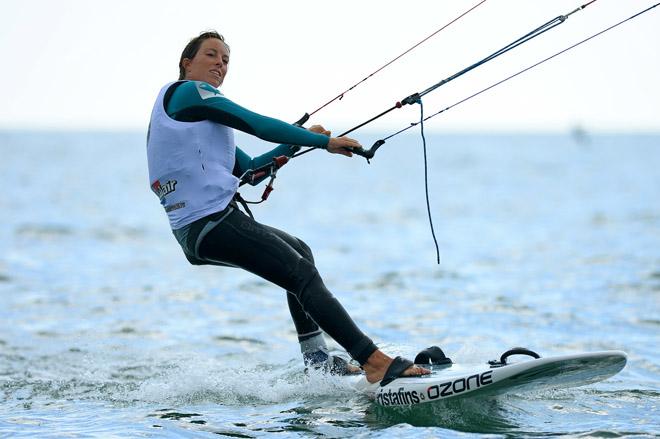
<point x="462" y="380"/>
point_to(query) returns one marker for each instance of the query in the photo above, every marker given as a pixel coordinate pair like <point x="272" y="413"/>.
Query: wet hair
<point x="193" y="46"/>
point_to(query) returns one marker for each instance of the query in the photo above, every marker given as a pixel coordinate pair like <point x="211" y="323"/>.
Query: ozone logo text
<point x="438" y="391"/>
<point x="460" y="385"/>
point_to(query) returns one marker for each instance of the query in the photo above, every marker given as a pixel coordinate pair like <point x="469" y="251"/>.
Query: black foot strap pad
<point x="398" y="366"/>
<point x="432" y="355"/>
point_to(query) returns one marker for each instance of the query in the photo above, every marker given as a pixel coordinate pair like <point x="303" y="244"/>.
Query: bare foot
<point x="377" y="365"/>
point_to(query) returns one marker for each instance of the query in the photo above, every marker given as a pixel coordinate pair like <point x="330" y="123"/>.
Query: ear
<point x="186" y="63"/>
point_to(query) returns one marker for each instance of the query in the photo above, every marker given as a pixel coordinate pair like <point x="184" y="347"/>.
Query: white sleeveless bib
<point x="190" y="164"/>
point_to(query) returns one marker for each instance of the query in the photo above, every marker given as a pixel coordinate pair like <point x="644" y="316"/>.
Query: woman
<point x="193" y="169"/>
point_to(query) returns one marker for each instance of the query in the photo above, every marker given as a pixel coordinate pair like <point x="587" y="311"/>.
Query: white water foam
<point x="193" y="380"/>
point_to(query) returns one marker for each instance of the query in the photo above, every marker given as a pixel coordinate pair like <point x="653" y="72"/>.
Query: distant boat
<point x="580" y="135"/>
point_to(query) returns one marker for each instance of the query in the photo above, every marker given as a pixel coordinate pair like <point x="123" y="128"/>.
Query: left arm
<point x="244" y="162"/>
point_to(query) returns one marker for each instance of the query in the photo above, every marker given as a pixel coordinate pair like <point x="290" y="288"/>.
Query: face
<point x="209" y="64"/>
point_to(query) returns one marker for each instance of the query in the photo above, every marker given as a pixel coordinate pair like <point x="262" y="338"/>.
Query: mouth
<point x="216" y="73"/>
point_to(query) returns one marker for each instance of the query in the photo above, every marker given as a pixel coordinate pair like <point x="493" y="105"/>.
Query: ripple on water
<point x="239" y="340"/>
<point x="43" y="231"/>
<point x="119" y="233"/>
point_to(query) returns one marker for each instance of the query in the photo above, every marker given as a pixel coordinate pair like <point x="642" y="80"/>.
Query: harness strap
<point x="207" y="228"/>
<point x="240" y="199"/>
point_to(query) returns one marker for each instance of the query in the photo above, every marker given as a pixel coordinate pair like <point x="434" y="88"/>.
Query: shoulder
<point x="184" y="94"/>
<point x="195" y="90"/>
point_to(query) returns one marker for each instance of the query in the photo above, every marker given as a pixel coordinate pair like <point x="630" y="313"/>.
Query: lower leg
<point x="310" y="335"/>
<point x="329" y="314"/>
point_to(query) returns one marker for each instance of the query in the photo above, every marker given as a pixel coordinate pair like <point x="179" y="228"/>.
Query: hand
<point x="319" y="129"/>
<point x="342" y="145"/>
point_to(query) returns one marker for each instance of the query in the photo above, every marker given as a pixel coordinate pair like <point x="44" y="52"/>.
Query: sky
<point x="92" y="65"/>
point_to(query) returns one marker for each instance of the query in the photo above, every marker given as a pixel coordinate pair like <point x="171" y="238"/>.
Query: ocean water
<point x="547" y="241"/>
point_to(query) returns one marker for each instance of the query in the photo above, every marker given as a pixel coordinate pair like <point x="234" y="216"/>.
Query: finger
<point x="342" y="151"/>
<point x="318" y="129"/>
<point x="349" y="141"/>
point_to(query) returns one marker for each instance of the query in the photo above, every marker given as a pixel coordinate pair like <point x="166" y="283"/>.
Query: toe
<point x="416" y="371"/>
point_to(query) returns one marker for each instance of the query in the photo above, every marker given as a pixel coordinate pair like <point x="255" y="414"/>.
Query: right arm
<point x="194" y="101"/>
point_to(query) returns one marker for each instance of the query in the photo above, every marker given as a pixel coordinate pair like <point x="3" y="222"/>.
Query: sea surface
<point x="546" y="241"/>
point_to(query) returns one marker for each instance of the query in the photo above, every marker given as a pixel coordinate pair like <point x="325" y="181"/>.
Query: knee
<point x="303" y="273"/>
<point x="305" y="251"/>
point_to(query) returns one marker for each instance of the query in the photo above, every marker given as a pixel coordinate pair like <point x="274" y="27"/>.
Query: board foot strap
<point x="432" y="355"/>
<point x="513" y="351"/>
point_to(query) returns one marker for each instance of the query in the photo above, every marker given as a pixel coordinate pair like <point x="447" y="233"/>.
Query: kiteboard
<point x="451" y="380"/>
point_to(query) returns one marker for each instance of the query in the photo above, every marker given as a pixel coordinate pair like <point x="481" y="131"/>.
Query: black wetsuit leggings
<point x="239" y="241"/>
